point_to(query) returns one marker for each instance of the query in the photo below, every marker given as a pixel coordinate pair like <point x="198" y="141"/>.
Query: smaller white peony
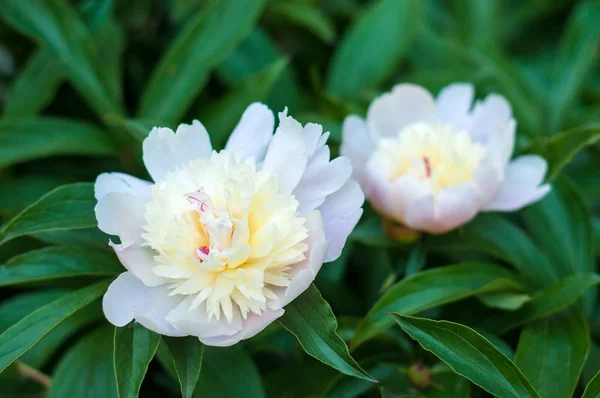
<point x="221" y="242"/>
<point x="432" y="165"/>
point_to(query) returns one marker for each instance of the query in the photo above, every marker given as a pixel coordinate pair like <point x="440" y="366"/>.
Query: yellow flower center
<point x="222" y="232"/>
<point x="434" y="153"/>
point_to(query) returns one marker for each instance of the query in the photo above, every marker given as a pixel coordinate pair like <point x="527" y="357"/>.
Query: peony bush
<point x="300" y="198"/>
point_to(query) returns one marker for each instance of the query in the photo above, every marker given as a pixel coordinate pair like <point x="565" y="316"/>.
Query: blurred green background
<point x="82" y="83"/>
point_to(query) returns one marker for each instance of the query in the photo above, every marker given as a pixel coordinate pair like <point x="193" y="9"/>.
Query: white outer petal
<point x="404" y="105"/>
<point x="127" y="298"/>
<point x="522" y="184"/>
<point x="196" y="322"/>
<point x="252" y="134"/>
<point x="120" y="182"/>
<point x="488" y="116"/>
<point x="501" y="144"/>
<point x="286" y="157"/>
<point x="251" y="326"/>
<point x="303" y="273"/>
<point x="164" y="150"/>
<point x="357" y="146"/>
<point x="341" y="212"/>
<point x="454" y="105"/>
<point x="139" y="261"/>
<point x="121" y="214"/>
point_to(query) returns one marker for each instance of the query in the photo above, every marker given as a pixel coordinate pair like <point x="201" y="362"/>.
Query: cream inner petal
<point x="224" y="234"/>
<point x="436" y="154"/>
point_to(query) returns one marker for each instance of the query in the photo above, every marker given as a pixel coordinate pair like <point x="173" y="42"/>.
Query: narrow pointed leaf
<point x="204" y="42"/>
<point x="552" y="352"/>
<point x="311" y="320"/>
<point x="187" y="354"/>
<point x="432" y="288"/>
<point x="67" y="207"/>
<point x="56" y="262"/>
<point x="592" y="390"/>
<point x="470" y="355"/>
<point x="134" y="348"/>
<point x="21" y="336"/>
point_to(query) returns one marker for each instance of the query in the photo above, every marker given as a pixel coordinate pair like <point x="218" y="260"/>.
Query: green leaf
<point x="575" y="61"/>
<point x="311" y="320"/>
<point x="497" y="236"/>
<point x="561" y="224"/>
<point x="256" y="52"/>
<point x="544" y="302"/>
<point x="592" y="390"/>
<point x="134" y="348"/>
<point x="561" y="148"/>
<point x="67" y="207"/>
<point x="35" y="87"/>
<point x="505" y="301"/>
<point x="55" y="25"/>
<point x="229" y="372"/>
<point x="307" y="16"/>
<point x="373" y="46"/>
<point x="221" y="118"/>
<point x="19" y="306"/>
<point x="24" y="191"/>
<point x="204" y="42"/>
<point x="470" y="355"/>
<point x="552" y="352"/>
<point x="58" y="262"/>
<point x="431" y="288"/>
<point x="187" y="354"/>
<point x="21" y="336"/>
<point x="86" y="370"/>
<point x="26" y="139"/>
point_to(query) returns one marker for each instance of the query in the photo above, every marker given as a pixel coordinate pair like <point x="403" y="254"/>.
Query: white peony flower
<point x="434" y="164"/>
<point x="221" y="242"/>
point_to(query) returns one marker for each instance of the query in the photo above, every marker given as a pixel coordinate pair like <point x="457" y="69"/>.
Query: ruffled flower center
<point x="436" y="154"/>
<point x="223" y="233"/>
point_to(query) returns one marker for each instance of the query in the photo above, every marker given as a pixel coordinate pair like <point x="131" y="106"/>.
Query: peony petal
<point x="404" y="105"/>
<point x="521" y="185"/>
<point x="196" y="322"/>
<point x="489" y="116"/>
<point x="286" y="157"/>
<point x="119" y="182"/>
<point x="164" y="150"/>
<point x="357" y="146"/>
<point x="251" y="326"/>
<point x="501" y="145"/>
<point x="341" y="212"/>
<point x="454" y="105"/>
<point x="303" y="273"/>
<point x="139" y="261"/>
<point x="337" y="232"/>
<point x="121" y="214"/>
<point x="456" y="206"/>
<point x="127" y="298"/>
<point x="253" y="132"/>
<point x="320" y="179"/>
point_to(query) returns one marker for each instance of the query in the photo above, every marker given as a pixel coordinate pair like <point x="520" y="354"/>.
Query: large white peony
<point x="434" y="164"/>
<point x="221" y="242"/>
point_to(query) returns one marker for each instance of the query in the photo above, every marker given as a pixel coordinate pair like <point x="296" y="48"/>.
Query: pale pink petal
<point x="489" y="115"/>
<point x="121" y="214"/>
<point x="337" y="232"/>
<point x="251" y="136"/>
<point x="454" y="104"/>
<point x="404" y="105"/>
<point x="456" y="206"/>
<point x="119" y="182"/>
<point x="251" y="326"/>
<point x="196" y="322"/>
<point x="286" y="157"/>
<point x="522" y="184"/>
<point x="357" y="146"/>
<point x="165" y="151"/>
<point x="127" y="298"/>
<point x="139" y="261"/>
